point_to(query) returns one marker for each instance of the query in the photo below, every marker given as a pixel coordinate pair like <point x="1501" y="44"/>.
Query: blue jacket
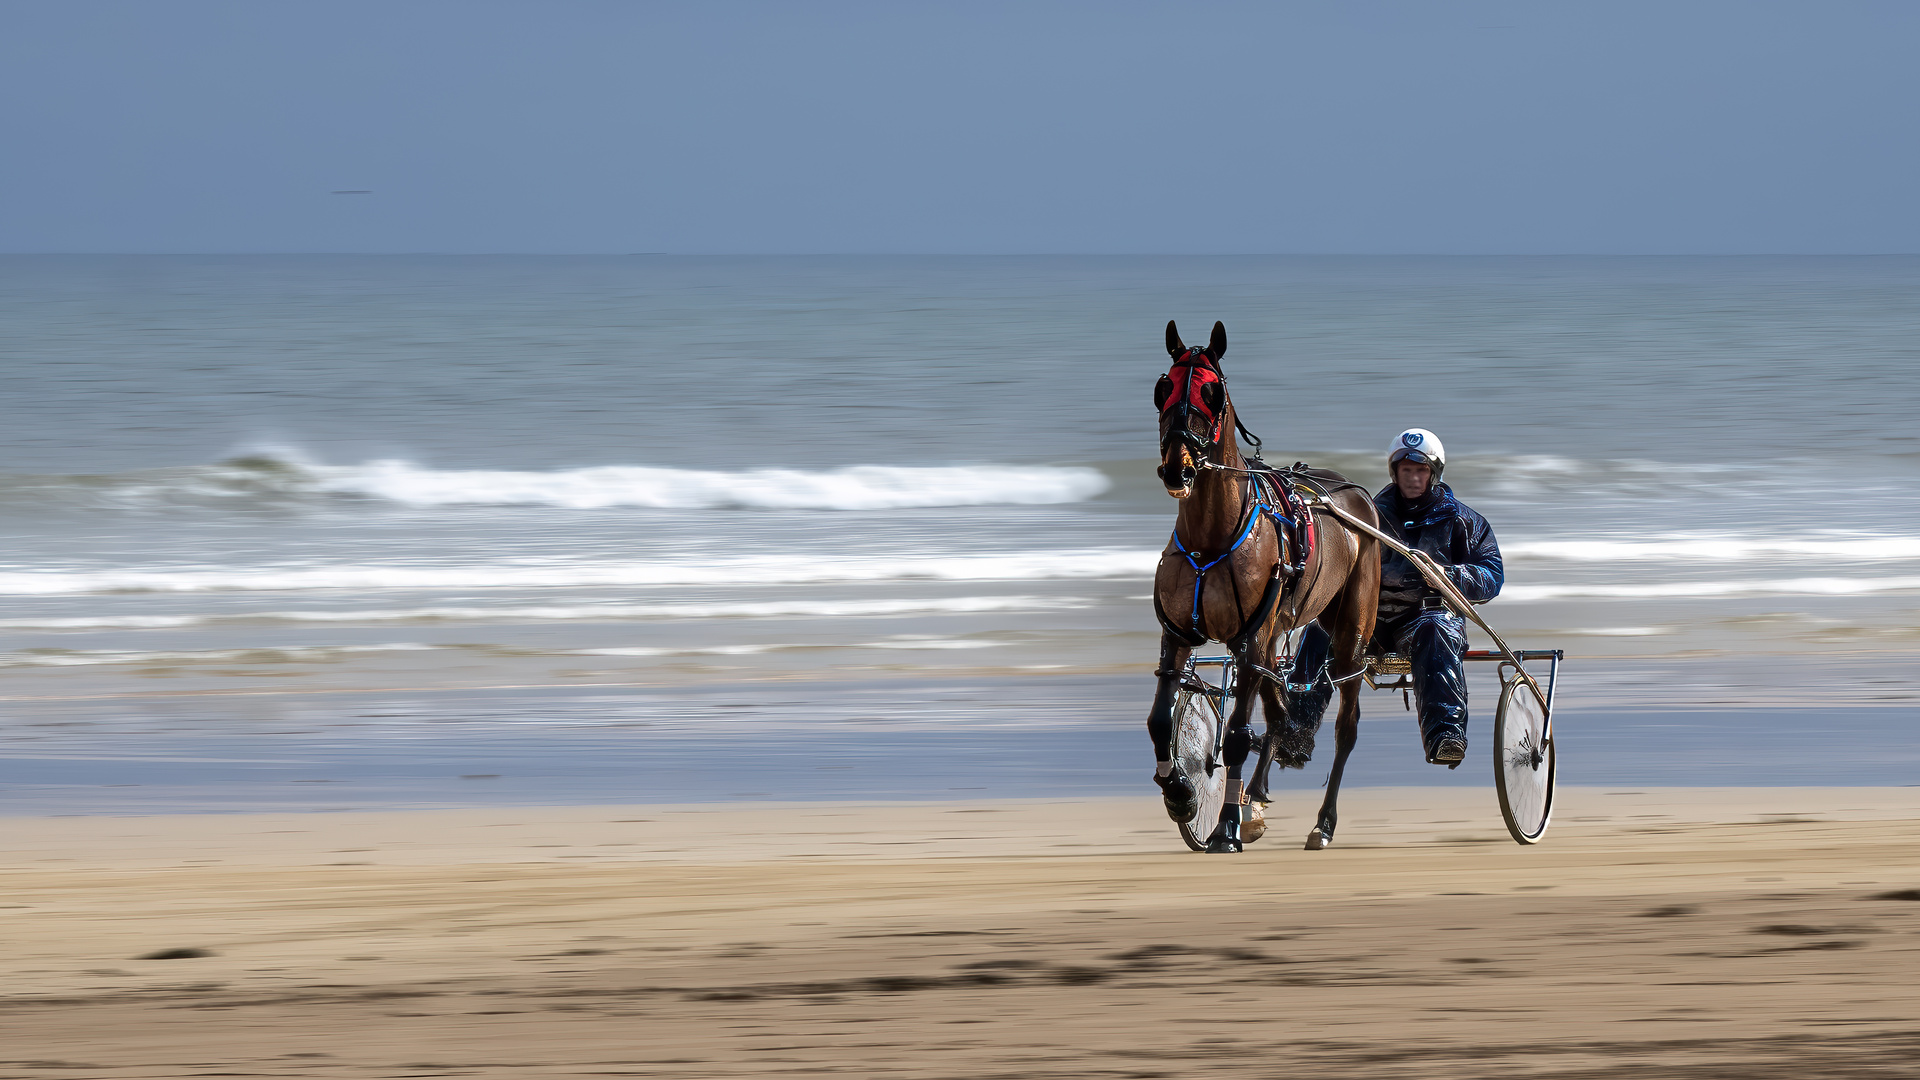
<point x="1449" y="531"/>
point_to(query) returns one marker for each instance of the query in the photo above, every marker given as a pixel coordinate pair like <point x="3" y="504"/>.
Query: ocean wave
<point x="743" y="570"/>
<point x="285" y="477"/>
<point x="1680" y="547"/>
<point x="1513" y="472"/>
<point x="858" y="487"/>
<point x="1805" y="586"/>
<point x="320" y="654"/>
<point x="905" y="642"/>
<point x="294" y="655"/>
<point x="783" y="609"/>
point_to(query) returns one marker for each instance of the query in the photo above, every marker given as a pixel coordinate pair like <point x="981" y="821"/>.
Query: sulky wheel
<point x="1523" y="764"/>
<point x="1196" y="745"/>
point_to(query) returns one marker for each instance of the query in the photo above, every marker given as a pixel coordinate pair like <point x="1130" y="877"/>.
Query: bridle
<point x="1193" y="402"/>
<point x="1192" y="399"/>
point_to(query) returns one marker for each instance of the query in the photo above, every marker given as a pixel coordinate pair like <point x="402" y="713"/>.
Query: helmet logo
<point x="1412" y="438"/>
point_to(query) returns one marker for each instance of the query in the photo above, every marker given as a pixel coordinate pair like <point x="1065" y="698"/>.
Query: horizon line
<point x="985" y="254"/>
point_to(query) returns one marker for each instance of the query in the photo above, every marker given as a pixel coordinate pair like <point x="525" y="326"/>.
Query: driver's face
<point x="1413" y="477"/>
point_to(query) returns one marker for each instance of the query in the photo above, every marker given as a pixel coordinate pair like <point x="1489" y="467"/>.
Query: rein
<point x="1203" y="465"/>
<point x="1245" y="434"/>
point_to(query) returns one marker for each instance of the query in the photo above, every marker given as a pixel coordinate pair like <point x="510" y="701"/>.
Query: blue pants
<point x="1433" y="640"/>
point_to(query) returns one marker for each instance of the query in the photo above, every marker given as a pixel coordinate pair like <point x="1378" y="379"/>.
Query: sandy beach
<point x="406" y="671"/>
<point x="1734" y="932"/>
<point x="627" y="539"/>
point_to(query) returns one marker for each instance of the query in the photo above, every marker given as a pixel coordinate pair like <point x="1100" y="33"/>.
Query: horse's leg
<point x="1183" y="802"/>
<point x="1260" y="790"/>
<point x="1346" y="730"/>
<point x="1349" y="631"/>
<point x="1239" y="742"/>
<point x="1276" y="717"/>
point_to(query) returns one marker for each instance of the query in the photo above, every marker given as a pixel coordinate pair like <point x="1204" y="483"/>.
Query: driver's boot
<point x="1446" y="745"/>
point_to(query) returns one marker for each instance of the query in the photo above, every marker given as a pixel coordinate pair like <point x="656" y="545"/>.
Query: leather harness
<point x="1268" y="490"/>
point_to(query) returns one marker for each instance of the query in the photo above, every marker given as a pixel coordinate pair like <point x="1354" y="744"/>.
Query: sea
<point x="320" y="532"/>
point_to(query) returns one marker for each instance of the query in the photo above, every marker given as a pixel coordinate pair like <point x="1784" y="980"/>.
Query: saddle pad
<point x="1277" y="492"/>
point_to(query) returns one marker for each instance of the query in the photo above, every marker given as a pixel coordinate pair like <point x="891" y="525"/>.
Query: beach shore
<point x="1658" y="932"/>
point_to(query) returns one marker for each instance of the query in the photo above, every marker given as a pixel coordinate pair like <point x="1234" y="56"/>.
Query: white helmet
<point x="1417" y="444"/>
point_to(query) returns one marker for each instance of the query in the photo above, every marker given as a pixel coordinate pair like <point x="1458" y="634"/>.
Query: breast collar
<point x="1257" y="508"/>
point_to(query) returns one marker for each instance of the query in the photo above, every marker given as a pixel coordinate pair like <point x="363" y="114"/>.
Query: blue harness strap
<point x="1258" y="509"/>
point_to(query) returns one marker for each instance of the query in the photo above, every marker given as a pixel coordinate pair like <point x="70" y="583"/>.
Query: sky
<point x="565" y="126"/>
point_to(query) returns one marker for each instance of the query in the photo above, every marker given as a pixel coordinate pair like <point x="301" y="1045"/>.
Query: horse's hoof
<point x="1317" y="840"/>
<point x="1183" y="803"/>
<point x="1255" y="826"/>
<point x="1226" y="838"/>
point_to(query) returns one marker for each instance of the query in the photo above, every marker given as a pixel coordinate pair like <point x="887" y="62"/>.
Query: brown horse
<point x="1232" y="573"/>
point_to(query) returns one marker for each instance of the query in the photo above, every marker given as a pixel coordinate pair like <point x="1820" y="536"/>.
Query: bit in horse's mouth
<point x="1178" y="478"/>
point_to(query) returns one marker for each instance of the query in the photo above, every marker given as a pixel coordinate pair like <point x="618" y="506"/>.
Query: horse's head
<point x="1192" y="399"/>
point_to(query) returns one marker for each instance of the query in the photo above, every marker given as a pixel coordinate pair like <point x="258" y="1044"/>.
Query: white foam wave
<point x="903" y="642"/>
<point x="794" y="609"/>
<point x="860" y="487"/>
<point x="327" y="653"/>
<point x="531" y="574"/>
<point x="1721" y="548"/>
<point x="96" y="657"/>
<point x="279" y="475"/>
<point x="1806" y="586"/>
<point x="106" y="622"/>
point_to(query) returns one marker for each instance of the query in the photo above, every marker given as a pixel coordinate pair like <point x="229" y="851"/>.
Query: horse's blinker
<point x="1192" y="399"/>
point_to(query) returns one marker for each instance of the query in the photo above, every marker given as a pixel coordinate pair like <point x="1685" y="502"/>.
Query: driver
<point x="1422" y="513"/>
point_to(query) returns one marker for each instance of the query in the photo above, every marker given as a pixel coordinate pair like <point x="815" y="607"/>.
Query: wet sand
<point x="982" y="736"/>
<point x="1729" y="932"/>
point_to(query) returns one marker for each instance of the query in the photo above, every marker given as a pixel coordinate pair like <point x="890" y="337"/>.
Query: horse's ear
<point x="1174" y="345"/>
<point x="1217" y="347"/>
